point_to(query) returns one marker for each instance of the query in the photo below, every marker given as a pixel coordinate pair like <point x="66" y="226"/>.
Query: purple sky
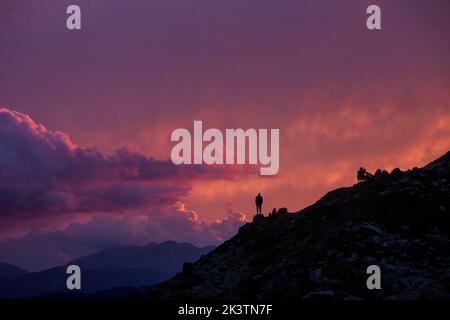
<point x="341" y="95"/>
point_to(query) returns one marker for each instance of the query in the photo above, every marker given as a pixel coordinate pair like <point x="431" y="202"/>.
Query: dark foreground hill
<point x="399" y="221"/>
<point x="125" y="267"/>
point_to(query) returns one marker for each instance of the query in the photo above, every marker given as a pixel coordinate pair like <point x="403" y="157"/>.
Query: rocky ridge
<point x="399" y="221"/>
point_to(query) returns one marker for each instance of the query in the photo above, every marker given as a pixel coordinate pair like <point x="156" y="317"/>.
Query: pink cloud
<point x="43" y="173"/>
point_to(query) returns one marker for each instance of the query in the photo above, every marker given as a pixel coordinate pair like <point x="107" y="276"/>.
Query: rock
<point x="435" y="237"/>
<point x="258" y="218"/>
<point x="315" y="275"/>
<point x="396" y="172"/>
<point x="371" y="227"/>
<point x="187" y="267"/>
<point x="282" y="211"/>
<point x="331" y="253"/>
<point x="353" y="257"/>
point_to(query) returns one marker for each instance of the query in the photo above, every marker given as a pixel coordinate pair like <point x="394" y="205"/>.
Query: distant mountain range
<point x="8" y="271"/>
<point x="399" y="221"/>
<point x="129" y="267"/>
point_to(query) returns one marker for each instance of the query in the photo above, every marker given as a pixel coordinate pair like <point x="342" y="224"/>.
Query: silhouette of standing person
<point x="259" y="202"/>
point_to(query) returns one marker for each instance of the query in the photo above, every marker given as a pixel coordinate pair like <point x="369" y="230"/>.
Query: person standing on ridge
<point x="259" y="202"/>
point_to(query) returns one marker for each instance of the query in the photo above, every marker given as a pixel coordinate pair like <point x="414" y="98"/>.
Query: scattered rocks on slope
<point x="398" y="221"/>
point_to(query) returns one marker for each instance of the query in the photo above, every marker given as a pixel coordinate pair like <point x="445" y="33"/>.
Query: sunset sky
<point x="85" y="130"/>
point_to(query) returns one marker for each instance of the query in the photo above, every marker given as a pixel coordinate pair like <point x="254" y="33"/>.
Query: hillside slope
<point x="398" y="221"/>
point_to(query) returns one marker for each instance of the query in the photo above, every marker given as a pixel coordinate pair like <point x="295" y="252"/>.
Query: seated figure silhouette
<point x="259" y="202"/>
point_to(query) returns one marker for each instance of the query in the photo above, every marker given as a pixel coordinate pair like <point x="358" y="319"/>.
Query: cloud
<point x="68" y="201"/>
<point x="358" y="131"/>
<point x="172" y="222"/>
<point x="46" y="179"/>
<point x="41" y="249"/>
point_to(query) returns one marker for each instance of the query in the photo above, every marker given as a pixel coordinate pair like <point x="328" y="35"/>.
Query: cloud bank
<point x="93" y="200"/>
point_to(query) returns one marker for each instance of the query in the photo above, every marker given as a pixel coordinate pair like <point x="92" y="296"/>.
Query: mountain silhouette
<point x="399" y="221"/>
<point x="167" y="257"/>
<point x="9" y="271"/>
<point x="129" y="266"/>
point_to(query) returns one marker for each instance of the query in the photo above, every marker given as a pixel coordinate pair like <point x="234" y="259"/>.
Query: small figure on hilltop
<point x="259" y="202"/>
